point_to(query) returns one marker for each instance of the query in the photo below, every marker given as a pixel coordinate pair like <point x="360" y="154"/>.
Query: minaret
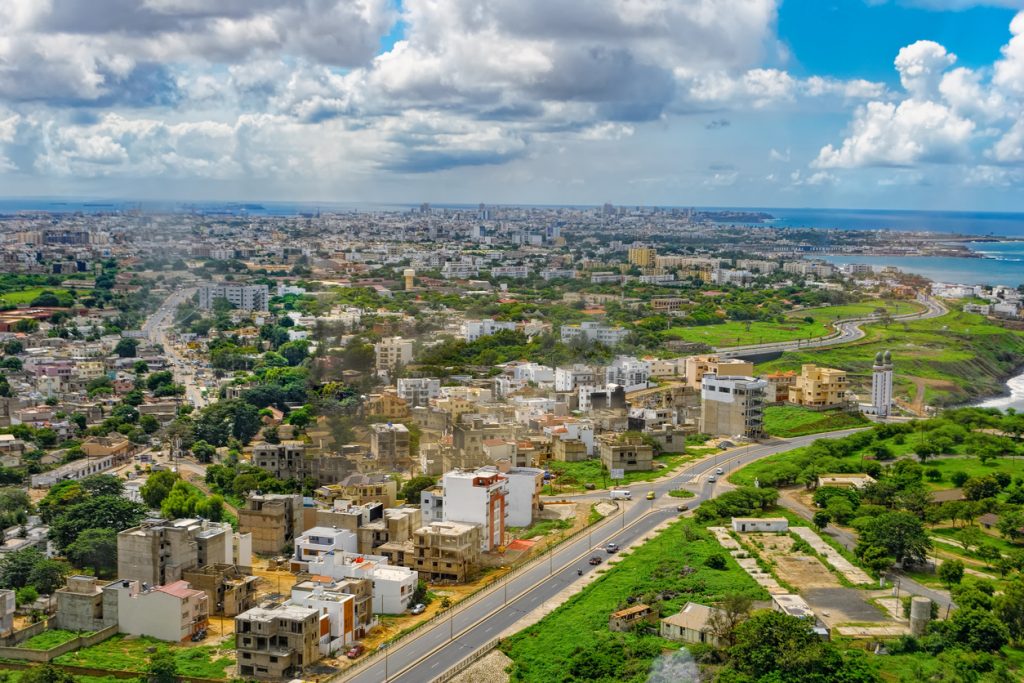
<point x="881" y="384"/>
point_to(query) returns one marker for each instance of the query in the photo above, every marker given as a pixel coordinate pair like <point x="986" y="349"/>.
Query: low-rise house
<point x="393" y="586"/>
<point x="229" y="591"/>
<point x="319" y="541"/>
<point x="767" y="525"/>
<point x="627" y="452"/>
<point x="855" y="481"/>
<point x="692" y="624"/>
<point x="627" y="619"/>
<point x="174" y="612"/>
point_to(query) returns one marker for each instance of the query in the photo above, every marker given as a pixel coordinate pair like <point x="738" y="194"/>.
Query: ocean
<point x="1003" y="264"/>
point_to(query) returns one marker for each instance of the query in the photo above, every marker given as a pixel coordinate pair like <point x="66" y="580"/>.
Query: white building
<point x="243" y="297"/>
<point x="479" y="497"/>
<point x="524" y="486"/>
<point x="764" y="525"/>
<point x="571" y="379"/>
<point x="393" y="586"/>
<point x="474" y="329"/>
<point x="594" y="332"/>
<point x="319" y="541"/>
<point x="510" y="271"/>
<point x="76" y="469"/>
<point x="173" y="612"/>
<point x="632" y="374"/>
<point x="419" y="390"/>
<point x="452" y="270"/>
<point x="881" y="385"/>
<point x="574" y="430"/>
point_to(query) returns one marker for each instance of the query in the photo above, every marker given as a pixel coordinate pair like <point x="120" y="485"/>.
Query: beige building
<point x="273" y="519"/>
<point x="157" y="552"/>
<point x="389" y="445"/>
<point x="446" y="551"/>
<point x="276" y="643"/>
<point x="698" y="366"/>
<point x="626" y="452"/>
<point x="391" y="352"/>
<point x="817" y="387"/>
<point x="732" y="406"/>
<point x="360" y="489"/>
<point x="227" y="589"/>
<point x="642" y="257"/>
<point x="691" y="625"/>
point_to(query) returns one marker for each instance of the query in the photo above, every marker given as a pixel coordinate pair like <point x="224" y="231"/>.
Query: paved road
<point x="438" y="647"/>
<point x="156" y="328"/>
<point x="846" y="331"/>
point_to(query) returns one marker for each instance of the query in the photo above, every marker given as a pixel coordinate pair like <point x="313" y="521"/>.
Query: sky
<point x="902" y="104"/>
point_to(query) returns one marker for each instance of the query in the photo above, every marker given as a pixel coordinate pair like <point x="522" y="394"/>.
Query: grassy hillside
<point x="953" y="359"/>
<point x="786" y="421"/>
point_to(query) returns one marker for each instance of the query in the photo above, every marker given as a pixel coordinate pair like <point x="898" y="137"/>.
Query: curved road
<point x="846" y="331"/>
<point x="438" y="647"/>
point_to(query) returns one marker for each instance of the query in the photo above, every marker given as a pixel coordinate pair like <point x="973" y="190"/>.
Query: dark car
<point x="355" y="651"/>
<point x="611" y="548"/>
<point x="596" y="559"/>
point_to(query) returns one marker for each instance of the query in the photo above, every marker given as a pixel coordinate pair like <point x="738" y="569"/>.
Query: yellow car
<point x="650" y="495"/>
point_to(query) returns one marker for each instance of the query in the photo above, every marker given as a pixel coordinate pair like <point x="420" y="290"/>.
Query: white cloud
<point x="921" y="65"/>
<point x="1009" y="148"/>
<point x="885" y="134"/>
<point x="1009" y="71"/>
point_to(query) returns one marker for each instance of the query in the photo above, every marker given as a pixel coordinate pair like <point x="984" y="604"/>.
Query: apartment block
<point x="283" y="460"/>
<point x="594" y="332"/>
<point x="321" y="540"/>
<point x="277" y="642"/>
<point x="447" y="551"/>
<point x="359" y="489"/>
<point x="346" y="606"/>
<point x="474" y="329"/>
<point x="732" y="406"/>
<point x="391" y="352"/>
<point x="632" y="374"/>
<point x="273" y="519"/>
<point x="817" y="387"/>
<point x="625" y="452"/>
<point x="478" y="497"/>
<point x="389" y="445"/>
<point x="418" y="391"/>
<point x="698" y="366"/>
<point x="393" y="586"/>
<point x="157" y="551"/>
<point x="243" y="297"/>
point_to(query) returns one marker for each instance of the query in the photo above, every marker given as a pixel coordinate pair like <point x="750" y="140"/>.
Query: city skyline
<point x="903" y="105"/>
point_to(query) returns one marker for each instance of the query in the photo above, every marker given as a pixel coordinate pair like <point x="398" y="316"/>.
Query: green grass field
<point x="50" y="639"/>
<point x="26" y="296"/>
<point x="122" y="653"/>
<point x="573" y="476"/>
<point x="543" y="652"/>
<point x="788" y="421"/>
<point x="742" y="333"/>
<point x="973" y="467"/>
<point x="541" y="528"/>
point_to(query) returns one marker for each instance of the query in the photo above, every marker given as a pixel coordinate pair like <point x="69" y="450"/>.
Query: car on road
<point x="719" y="471"/>
<point x="355" y="651"/>
<point x="682" y="507"/>
<point x="611" y="548"/>
<point x="595" y="560"/>
<point x="712" y="479"/>
<point x="419" y="608"/>
<point x="650" y="495"/>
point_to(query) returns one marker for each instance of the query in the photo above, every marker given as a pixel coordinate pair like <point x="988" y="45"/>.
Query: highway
<point x="846" y="331"/>
<point x="156" y="328"/>
<point x="435" y="648"/>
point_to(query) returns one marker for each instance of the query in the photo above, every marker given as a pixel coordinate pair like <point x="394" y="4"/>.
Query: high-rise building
<point x="642" y="257"/>
<point x="732" y="406"/>
<point x="392" y="352"/>
<point x="881" y="384"/>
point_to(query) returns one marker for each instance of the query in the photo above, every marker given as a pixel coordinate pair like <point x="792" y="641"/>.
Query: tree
<point x="163" y="668"/>
<point x="958" y="478"/>
<point x="732" y="611"/>
<point x="1011" y="525"/>
<point x="48" y="575"/>
<point x="821" y="519"/>
<point x="211" y="508"/>
<point x="181" y="501"/>
<point x="149" y="424"/>
<point x="25" y="325"/>
<point x="976" y="629"/>
<point x="96" y="548"/>
<point x="951" y="572"/>
<point x="112" y="512"/>
<point x="411" y="490"/>
<point x="977" y="488"/>
<point x="294" y="351"/>
<point x="26" y="595"/>
<point x="901" y="534"/>
<point x="970" y="537"/>
<point x="47" y="673"/>
<point x="1009" y="608"/>
<point x="157" y="486"/>
<point x="126" y="347"/>
<point x="102" y="485"/>
<point x="16" y="567"/>
<point x="877" y="559"/>
<point x="203" y="451"/>
<point x="716" y="561"/>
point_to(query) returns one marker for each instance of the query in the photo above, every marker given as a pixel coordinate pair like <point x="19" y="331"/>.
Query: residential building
<point x="275" y="643"/>
<point x="764" y="525"/>
<point x="391" y="352"/>
<point x="84" y="605"/>
<point x="478" y="497"/>
<point x="340" y="603"/>
<point x="572" y="378"/>
<point x="242" y="297"/>
<point x="417" y="392"/>
<point x="732" y="406"/>
<point x="474" y="329"/>
<point x="629" y="618"/>
<point x="698" y="366"/>
<point x="229" y="591"/>
<point x="387" y="404"/>
<point x="524" y="487"/>
<point x="692" y="624"/>
<point x="7" y="607"/>
<point x="818" y="387"/>
<point x="321" y="540"/>
<point x="360" y="489"/>
<point x="632" y="374"/>
<point x="157" y="551"/>
<point x="393" y="586"/>
<point x="626" y="452"/>
<point x="74" y="470"/>
<point x="174" y="612"/>
<point x="594" y="332"/>
<point x="389" y="445"/>
<point x="283" y="460"/>
<point x="642" y="257"/>
<point x="447" y="551"/>
<point x="273" y="519"/>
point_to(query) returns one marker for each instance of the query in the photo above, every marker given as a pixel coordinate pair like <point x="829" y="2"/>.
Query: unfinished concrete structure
<point x="446" y="551"/>
<point x="229" y="591"/>
<point x="83" y="605"/>
<point x="274" y="643"/>
<point x="157" y="551"/>
<point x="628" y="453"/>
<point x="273" y="519"/>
